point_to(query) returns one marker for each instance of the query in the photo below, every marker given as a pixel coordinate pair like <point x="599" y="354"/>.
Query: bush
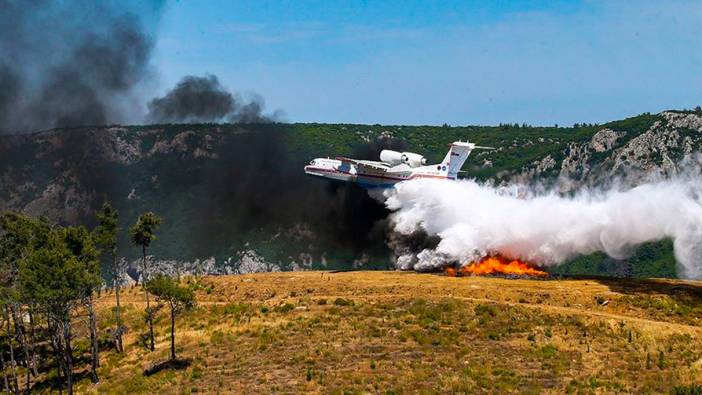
<point x="284" y="308"/>
<point x="547" y="351"/>
<point x="196" y="373"/>
<point x="236" y="308"/>
<point x="485" y="310"/>
<point x="343" y="302"/>
<point x="687" y="390"/>
<point x="548" y="333"/>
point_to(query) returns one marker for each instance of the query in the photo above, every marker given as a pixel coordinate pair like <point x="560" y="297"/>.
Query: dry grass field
<point x="398" y="332"/>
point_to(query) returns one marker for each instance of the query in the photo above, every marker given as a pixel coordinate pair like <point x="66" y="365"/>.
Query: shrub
<point x="284" y="308"/>
<point x="687" y="390"/>
<point x="236" y="308"/>
<point x="265" y="338"/>
<point x="343" y="302"/>
<point x="196" y="373"/>
<point x="485" y="310"/>
<point x="547" y="351"/>
<point x="661" y="360"/>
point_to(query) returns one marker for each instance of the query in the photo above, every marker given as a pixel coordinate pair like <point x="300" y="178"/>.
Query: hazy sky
<point x="430" y="62"/>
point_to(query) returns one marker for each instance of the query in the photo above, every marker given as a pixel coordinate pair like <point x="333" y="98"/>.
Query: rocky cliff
<point x="659" y="149"/>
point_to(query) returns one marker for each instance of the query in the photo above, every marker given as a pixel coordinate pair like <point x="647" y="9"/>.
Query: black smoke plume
<point x="203" y="99"/>
<point x="72" y="63"/>
<point x="258" y="184"/>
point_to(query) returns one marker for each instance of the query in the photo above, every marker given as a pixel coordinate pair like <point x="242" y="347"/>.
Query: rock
<point x="605" y="139"/>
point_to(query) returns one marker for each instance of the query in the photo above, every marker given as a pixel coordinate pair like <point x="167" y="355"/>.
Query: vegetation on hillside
<point x="207" y="216"/>
<point x="327" y="332"/>
<point x="389" y="332"/>
<point x="51" y="274"/>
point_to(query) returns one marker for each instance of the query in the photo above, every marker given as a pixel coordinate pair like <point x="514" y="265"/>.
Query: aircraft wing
<point x="365" y="166"/>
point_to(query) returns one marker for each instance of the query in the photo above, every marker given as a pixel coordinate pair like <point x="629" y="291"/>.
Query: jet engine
<point x="391" y="157"/>
<point x="396" y="158"/>
<point x="414" y="160"/>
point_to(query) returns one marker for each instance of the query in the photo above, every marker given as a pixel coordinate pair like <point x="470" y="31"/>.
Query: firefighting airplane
<point x="393" y="167"/>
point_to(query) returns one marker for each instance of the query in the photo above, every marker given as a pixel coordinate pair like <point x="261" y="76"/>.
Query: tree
<point x="80" y="243"/>
<point x="105" y="235"/>
<point x="178" y="299"/>
<point x="56" y="277"/>
<point x="142" y="234"/>
<point x="19" y="236"/>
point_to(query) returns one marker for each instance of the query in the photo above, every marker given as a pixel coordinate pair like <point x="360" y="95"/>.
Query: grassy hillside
<point x="389" y="332"/>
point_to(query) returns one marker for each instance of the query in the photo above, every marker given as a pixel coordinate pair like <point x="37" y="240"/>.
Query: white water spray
<point x="474" y="220"/>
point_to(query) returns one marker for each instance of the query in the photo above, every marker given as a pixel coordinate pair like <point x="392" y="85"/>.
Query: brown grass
<point x="394" y="332"/>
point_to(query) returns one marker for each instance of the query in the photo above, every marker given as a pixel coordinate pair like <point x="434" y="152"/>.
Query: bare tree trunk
<point x="173" y="355"/>
<point x="117" y="278"/>
<point x="68" y="351"/>
<point x="149" y="313"/>
<point x="32" y="342"/>
<point x="4" y="372"/>
<point x="58" y="376"/>
<point x="15" y="384"/>
<point x="55" y="338"/>
<point x="94" y="351"/>
<point x="22" y="339"/>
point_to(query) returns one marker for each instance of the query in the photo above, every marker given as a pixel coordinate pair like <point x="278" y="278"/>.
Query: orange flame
<point x="496" y="265"/>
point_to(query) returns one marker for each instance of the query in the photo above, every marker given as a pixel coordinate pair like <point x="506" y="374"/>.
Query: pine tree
<point x="105" y="235"/>
<point x="20" y="236"/>
<point x="142" y="234"/>
<point x="178" y="298"/>
<point x="80" y="243"/>
<point x="56" y="278"/>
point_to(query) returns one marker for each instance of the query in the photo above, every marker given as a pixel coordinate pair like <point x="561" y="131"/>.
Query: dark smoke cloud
<point x="203" y="99"/>
<point x="80" y="63"/>
<point x="72" y="63"/>
<point x="258" y="183"/>
<point x="371" y="149"/>
<point x="9" y="89"/>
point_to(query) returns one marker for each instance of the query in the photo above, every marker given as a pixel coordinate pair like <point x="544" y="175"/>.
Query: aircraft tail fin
<point x="457" y="155"/>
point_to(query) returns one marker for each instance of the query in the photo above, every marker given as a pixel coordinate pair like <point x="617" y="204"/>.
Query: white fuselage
<point x="394" y="167"/>
<point x="367" y="176"/>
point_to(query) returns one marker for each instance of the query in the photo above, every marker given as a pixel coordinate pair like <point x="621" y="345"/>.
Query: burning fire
<point x="496" y="265"/>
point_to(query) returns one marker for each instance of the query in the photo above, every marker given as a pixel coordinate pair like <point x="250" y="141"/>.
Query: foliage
<point x="105" y="234"/>
<point x="167" y="290"/>
<point x="56" y="276"/>
<point x="143" y="232"/>
<point x="178" y="298"/>
<point x="61" y="272"/>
